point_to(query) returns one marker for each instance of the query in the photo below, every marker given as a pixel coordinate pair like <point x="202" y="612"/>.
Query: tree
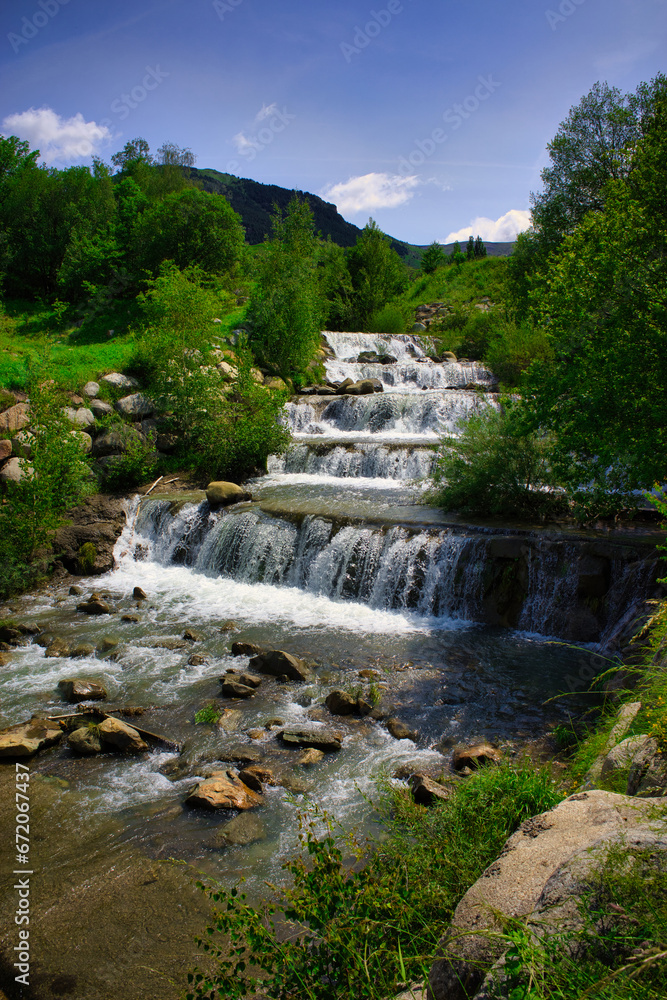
<point x="135" y="151"/>
<point x="169" y="154"/>
<point x="432" y="258"/>
<point x="286" y="308"/>
<point x="456" y="256"/>
<point x="602" y="301"/>
<point x="188" y="227"/>
<point x="470" y="248"/>
<point x="335" y="285"/>
<point x="377" y="272"/>
<point x="480" y="249"/>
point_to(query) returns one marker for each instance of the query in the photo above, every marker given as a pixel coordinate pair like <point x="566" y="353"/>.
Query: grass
<point x="358" y="932"/>
<point x="460" y="285"/>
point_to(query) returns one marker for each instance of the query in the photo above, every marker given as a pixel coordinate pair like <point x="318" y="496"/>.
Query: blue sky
<point x="430" y="115"/>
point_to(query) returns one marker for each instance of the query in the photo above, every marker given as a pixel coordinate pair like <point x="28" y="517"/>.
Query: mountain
<point x="254" y="202"/>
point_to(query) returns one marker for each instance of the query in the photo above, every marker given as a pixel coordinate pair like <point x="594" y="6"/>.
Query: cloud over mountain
<point x="503" y="230"/>
<point x="370" y="192"/>
<point x="59" y="140"/>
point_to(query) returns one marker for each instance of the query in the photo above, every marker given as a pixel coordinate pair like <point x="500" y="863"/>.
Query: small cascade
<point x="357" y="461"/>
<point x="414" y="376"/>
<point x="402" y="346"/>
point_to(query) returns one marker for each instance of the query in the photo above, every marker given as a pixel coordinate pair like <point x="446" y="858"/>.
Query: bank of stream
<point x="462" y="631"/>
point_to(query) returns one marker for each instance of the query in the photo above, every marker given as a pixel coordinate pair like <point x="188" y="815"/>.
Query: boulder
<point x="118" y="734"/>
<point x="224" y="790"/>
<point x="474" y="756"/>
<point x="343" y="387"/>
<point x="172" y="644"/>
<point x="426" y="791"/>
<point x="250" y="680"/>
<point x="28" y="738"/>
<point x="400" y="731"/>
<point x="648" y="771"/>
<point x="22" y="444"/>
<point x="341" y="703"/>
<point x="15" y="418"/>
<point x="57" y="647"/>
<point x="251" y="778"/>
<point x="91" y="390"/>
<point x="277" y="663"/>
<point x="244" y="829"/>
<point x="100" y="409"/>
<point x="109" y="443"/>
<point x="94" y="607"/>
<point x="227" y="371"/>
<point x="14" y="470"/>
<point x="78" y="690"/>
<point x="133" y="619"/>
<point x="84" y="741"/>
<point x="135" y="406"/>
<point x="118" y="381"/>
<point x="310" y="757"/>
<point x="317" y="739"/>
<point x="245" y="649"/>
<point x="365" y="387"/>
<point x="222" y="494"/>
<point x="83" y="417"/>
<point x="191" y="636"/>
<point x="513" y="885"/>
<point x="273" y="382"/>
<point x="5" y="449"/>
<point x="84" y="440"/>
<point x="197" y="660"/>
<point x="233" y="689"/>
<point x="617" y="762"/>
<point x="82" y="649"/>
<point x="448" y="356"/>
<point x="138" y="594"/>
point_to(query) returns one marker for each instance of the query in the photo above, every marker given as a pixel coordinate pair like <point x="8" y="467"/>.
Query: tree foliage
<point x="432" y="258"/>
<point x="377" y="273"/>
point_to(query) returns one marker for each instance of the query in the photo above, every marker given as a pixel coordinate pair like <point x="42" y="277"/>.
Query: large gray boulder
<point x="135" y="406"/>
<point x="277" y="663"/>
<point x="221" y="494"/>
<point x="14" y="470"/>
<point x="118" y="381"/>
<point x="513" y="885"/>
<point x="15" y="418"/>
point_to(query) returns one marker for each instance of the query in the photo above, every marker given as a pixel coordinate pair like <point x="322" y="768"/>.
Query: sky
<point x="430" y="116"/>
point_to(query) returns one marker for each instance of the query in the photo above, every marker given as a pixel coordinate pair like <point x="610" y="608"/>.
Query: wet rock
<point x="132" y="619"/>
<point x="121" y="736"/>
<point x="369" y="675"/>
<point x="239" y="754"/>
<point x="250" y="680"/>
<point x="11" y="633"/>
<point x="256" y="734"/>
<point x="317" y="739"/>
<point x="221" y="494"/>
<point x="172" y="644"/>
<point x="191" y="636"/>
<point x="139" y="594"/>
<point x="295" y="784"/>
<point x="426" y="791"/>
<point x="96" y="607"/>
<point x="28" y="738"/>
<point x="77" y="690"/>
<point x="341" y="703"/>
<point x="244" y="829"/>
<point x="82" y="649"/>
<point x="277" y="663"/>
<point x="245" y="649"/>
<point x="365" y="387"/>
<point x="262" y="773"/>
<point x="234" y="689"/>
<point x="118" y="381"/>
<point x="4" y="660"/>
<point x="84" y="741"/>
<point x="230" y="720"/>
<point x="344" y="386"/>
<point x="75" y="591"/>
<point x="99" y="521"/>
<point x="400" y="731"/>
<point x="197" y="660"/>
<point x="228" y="626"/>
<point x="310" y="757"/>
<point x="224" y="790"/>
<point x="106" y="644"/>
<point x="250" y="778"/>
<point x="474" y="756"/>
<point x="57" y="647"/>
<point x="364" y="707"/>
<point x="274" y="724"/>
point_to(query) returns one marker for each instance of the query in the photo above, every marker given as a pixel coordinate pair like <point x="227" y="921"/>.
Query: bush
<point x="497" y="466"/>
<point x="137" y="462"/>
<point x="360" y="932"/>
<point x="389" y="319"/>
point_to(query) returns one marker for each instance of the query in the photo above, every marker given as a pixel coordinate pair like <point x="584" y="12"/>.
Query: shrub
<point x="389" y="319"/>
<point x="87" y="556"/>
<point x="208" y="716"/>
<point x="137" y="462"/>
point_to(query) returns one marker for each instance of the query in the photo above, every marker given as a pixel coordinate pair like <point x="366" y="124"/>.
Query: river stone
<point x="341" y="703"/>
<point x="191" y="636"/>
<point x="82" y="649"/>
<point x="27" y="738"/>
<point x="250" y="680"/>
<point x="197" y="660"/>
<point x="5" y="660"/>
<point x="513" y="884"/>
<point x="233" y="689"/>
<point x="119" y="381"/>
<point x="244" y="829"/>
<point x="250" y="778"/>
<point x="238" y="754"/>
<point x="318" y="739"/>
<point x="106" y="644"/>
<point x="224" y="790"/>
<point x="475" y="756"/>
<point x="400" y="731"/>
<point x="426" y="791"/>
<point x="78" y="690"/>
<point x="94" y="607"/>
<point x="109" y="443"/>
<point x="310" y="757"/>
<point x="138" y="594"/>
<point x="84" y="741"/>
<point x="132" y="619"/>
<point x="172" y="644"/>
<point x="245" y="649"/>
<point x="277" y="663"/>
<point x="135" y="406"/>
<point x="15" y="418"/>
<point x="122" y="736"/>
<point x="91" y="389"/>
<point x="221" y="494"/>
<point x="57" y="647"/>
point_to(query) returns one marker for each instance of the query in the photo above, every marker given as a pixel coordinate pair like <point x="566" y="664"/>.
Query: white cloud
<point x="503" y="230"/>
<point x="58" y="139"/>
<point x="372" y="191"/>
